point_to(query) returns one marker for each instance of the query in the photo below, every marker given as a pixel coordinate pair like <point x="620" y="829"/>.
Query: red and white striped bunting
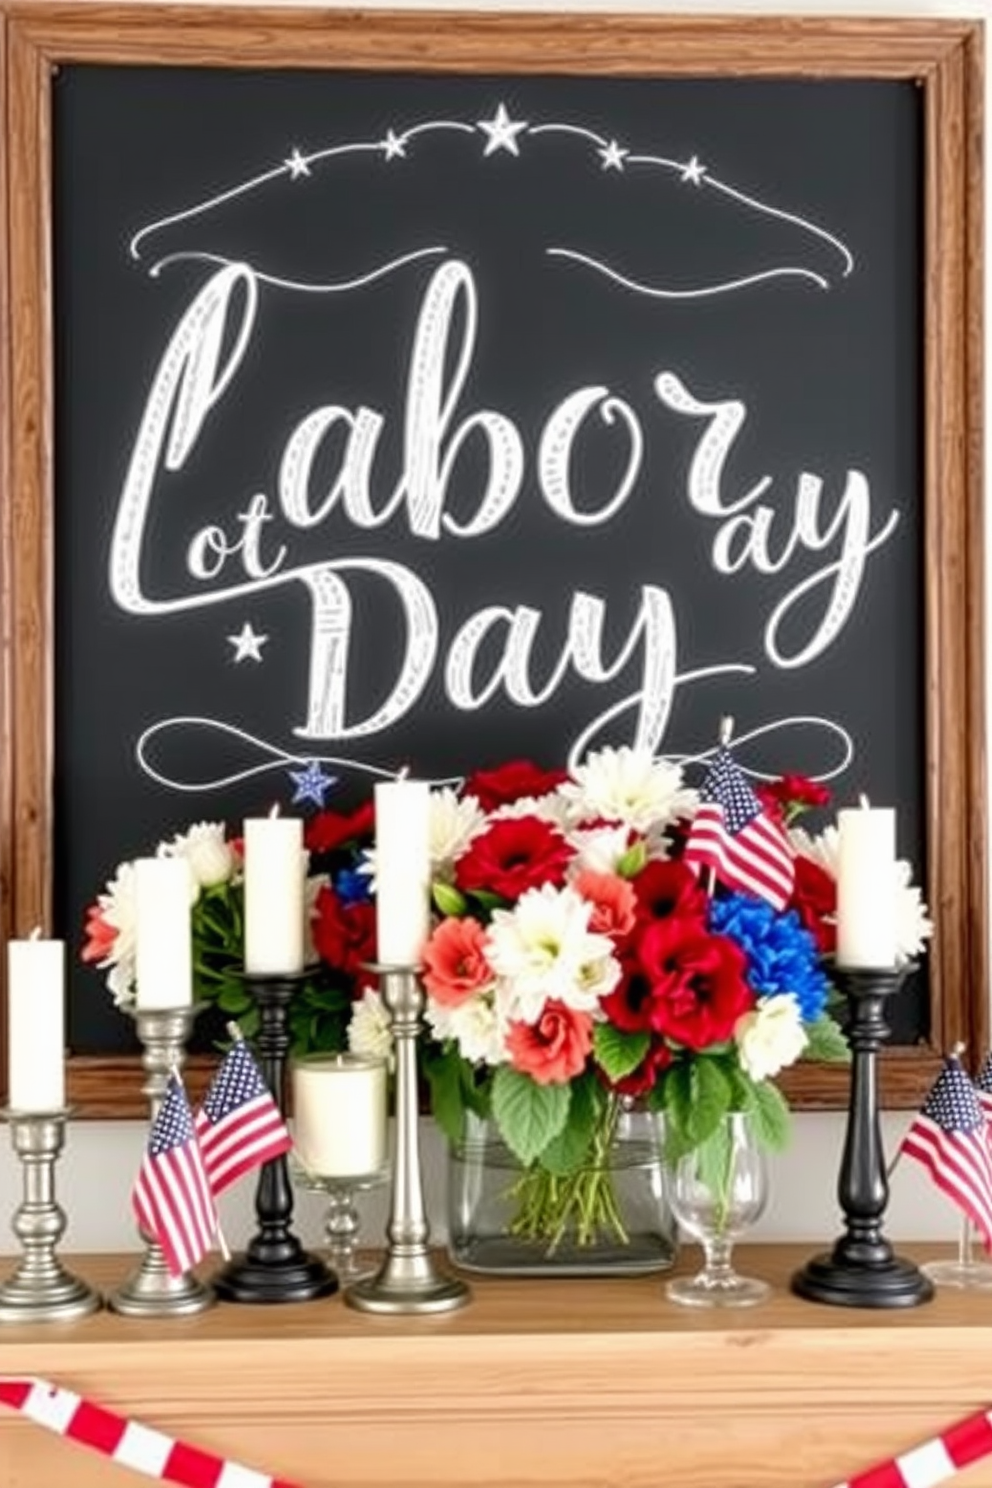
<point x="127" y="1442"/>
<point x="159" y="1456"/>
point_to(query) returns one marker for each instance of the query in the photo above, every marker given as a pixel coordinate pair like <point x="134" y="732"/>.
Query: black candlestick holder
<point x="862" y="1270"/>
<point x="274" y="1267"/>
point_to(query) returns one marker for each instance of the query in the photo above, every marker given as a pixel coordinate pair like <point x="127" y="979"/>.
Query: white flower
<point x="628" y="785"/>
<point x="771" y="1037"/>
<point x="369" y="1032"/>
<point x="913" y="924"/>
<point x="552" y="808"/>
<point x="311" y="888"/>
<point x="543" y="948"/>
<point x="118" y="909"/>
<point x="211" y="858"/>
<point x="598" y="849"/>
<point x="452" y="824"/>
<point x="476" y="1026"/>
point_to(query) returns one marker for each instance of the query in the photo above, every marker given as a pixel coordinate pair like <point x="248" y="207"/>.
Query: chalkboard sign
<point x="432" y="418"/>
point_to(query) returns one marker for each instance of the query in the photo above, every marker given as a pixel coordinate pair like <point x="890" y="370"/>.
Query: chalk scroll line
<point x="339" y="287"/>
<point x="279" y="759"/>
<point x="393" y="147"/>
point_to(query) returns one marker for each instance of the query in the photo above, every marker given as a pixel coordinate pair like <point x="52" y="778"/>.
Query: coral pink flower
<point x="100" y="937"/>
<point x="555" y="1048"/>
<point x="455" y="962"/>
<point x="614" y="903"/>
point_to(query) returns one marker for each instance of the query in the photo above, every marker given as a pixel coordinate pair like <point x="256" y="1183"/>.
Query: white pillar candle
<point x="36" y="1024"/>
<point x="866" y="887"/>
<point x="339" y="1114"/>
<point x="402" y="870"/>
<point x="275" y="873"/>
<point x="163" y="893"/>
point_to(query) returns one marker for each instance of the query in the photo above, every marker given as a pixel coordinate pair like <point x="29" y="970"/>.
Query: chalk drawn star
<point x="393" y="146"/>
<point x="502" y="132"/>
<point x="247" y="645"/>
<point x="612" y="156"/>
<point x="694" y="171"/>
<point x="297" y="165"/>
<point x="311" y="784"/>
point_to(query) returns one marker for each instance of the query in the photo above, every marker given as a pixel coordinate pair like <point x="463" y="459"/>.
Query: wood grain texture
<point x="943" y="56"/>
<point x="557" y="1383"/>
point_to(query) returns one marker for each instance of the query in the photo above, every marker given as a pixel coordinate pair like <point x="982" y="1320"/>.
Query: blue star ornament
<point x="311" y="784"/>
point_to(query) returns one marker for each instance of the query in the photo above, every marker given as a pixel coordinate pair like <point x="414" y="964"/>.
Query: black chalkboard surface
<point x="434" y="420"/>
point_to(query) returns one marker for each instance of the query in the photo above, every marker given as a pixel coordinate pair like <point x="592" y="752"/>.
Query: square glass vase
<point x="609" y="1218"/>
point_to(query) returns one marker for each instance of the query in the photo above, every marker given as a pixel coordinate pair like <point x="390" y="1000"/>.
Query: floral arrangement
<point x="576" y="961"/>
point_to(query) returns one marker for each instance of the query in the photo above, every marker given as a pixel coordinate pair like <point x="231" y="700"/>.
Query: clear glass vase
<point x="608" y="1218"/>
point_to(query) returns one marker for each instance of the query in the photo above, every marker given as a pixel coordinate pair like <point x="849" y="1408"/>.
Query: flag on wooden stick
<point x="172" y="1199"/>
<point x="950" y="1138"/>
<point x="733" y="834"/>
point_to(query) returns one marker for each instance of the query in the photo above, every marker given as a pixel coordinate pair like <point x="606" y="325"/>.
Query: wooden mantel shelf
<point x="537" y="1383"/>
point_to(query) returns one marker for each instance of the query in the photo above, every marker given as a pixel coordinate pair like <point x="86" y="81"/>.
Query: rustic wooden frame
<point x="942" y="56"/>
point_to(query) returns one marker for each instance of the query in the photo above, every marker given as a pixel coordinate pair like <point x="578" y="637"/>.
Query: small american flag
<point x="983" y="1087"/>
<point x="949" y="1137"/>
<point x="732" y="834"/>
<point x="239" y="1124"/>
<point x="172" y="1199"/>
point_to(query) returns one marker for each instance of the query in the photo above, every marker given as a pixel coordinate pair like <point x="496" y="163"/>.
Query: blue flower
<point x="352" y="887"/>
<point x="781" y="953"/>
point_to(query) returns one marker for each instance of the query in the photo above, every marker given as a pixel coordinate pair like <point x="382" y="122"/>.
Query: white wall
<point x="102" y="1157"/>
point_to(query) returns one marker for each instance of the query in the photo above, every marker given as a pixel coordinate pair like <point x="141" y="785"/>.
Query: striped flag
<point x="983" y="1087"/>
<point x="949" y="1137"/>
<point x="171" y="1199"/>
<point x="734" y="835"/>
<point x="239" y="1123"/>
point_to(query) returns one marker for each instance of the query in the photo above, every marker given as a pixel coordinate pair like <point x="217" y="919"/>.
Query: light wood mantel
<point x="537" y="1383"/>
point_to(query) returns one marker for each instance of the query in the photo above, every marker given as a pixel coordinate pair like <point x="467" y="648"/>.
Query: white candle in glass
<point x="36" y="1024"/>
<point x="163" y="893"/>
<point x="866" y="886"/>
<point x="275" y="873"/>
<point x="339" y="1115"/>
<point x="402" y="871"/>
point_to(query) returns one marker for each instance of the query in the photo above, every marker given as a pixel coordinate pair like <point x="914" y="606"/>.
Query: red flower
<point x="455" y="965"/>
<point x="645" y="1076"/>
<point x="330" y="829"/>
<point x="697" y="982"/>
<point x="668" y="888"/>
<point x="514" y="855"/>
<point x="509" y="782"/>
<point x="791" y="794"/>
<point x="814" y="898"/>
<point x="344" y="934"/>
<point x="628" y="1006"/>
<point x="100" y="937"/>
<point x="555" y="1048"/>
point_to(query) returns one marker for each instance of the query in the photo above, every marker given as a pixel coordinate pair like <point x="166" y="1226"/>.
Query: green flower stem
<point x="574" y="1207"/>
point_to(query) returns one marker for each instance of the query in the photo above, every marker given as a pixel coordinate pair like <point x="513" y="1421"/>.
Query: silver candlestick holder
<point x="151" y="1290"/>
<point x="408" y="1280"/>
<point x="41" y="1290"/>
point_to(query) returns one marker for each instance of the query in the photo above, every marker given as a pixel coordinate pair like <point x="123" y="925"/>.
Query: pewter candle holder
<point x="151" y="1290"/>
<point x="407" y="1281"/>
<point x="41" y="1290"/>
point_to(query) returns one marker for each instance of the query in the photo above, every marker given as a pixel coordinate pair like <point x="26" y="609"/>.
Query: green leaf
<point x="770" y="1116"/>
<point x="711" y="1099"/>
<point x="618" y="1053"/>
<point x="714" y="1158"/>
<point x="676" y="1091"/>
<point x="444" y="1075"/>
<point x="826" y="1041"/>
<point x="568" y="1151"/>
<point x="528" y="1115"/>
<point x="233" y="999"/>
<point x="489" y="900"/>
<point x="448" y="900"/>
<point x="633" y="860"/>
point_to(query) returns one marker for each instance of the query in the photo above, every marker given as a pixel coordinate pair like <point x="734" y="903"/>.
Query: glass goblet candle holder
<point x="342" y="1222"/>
